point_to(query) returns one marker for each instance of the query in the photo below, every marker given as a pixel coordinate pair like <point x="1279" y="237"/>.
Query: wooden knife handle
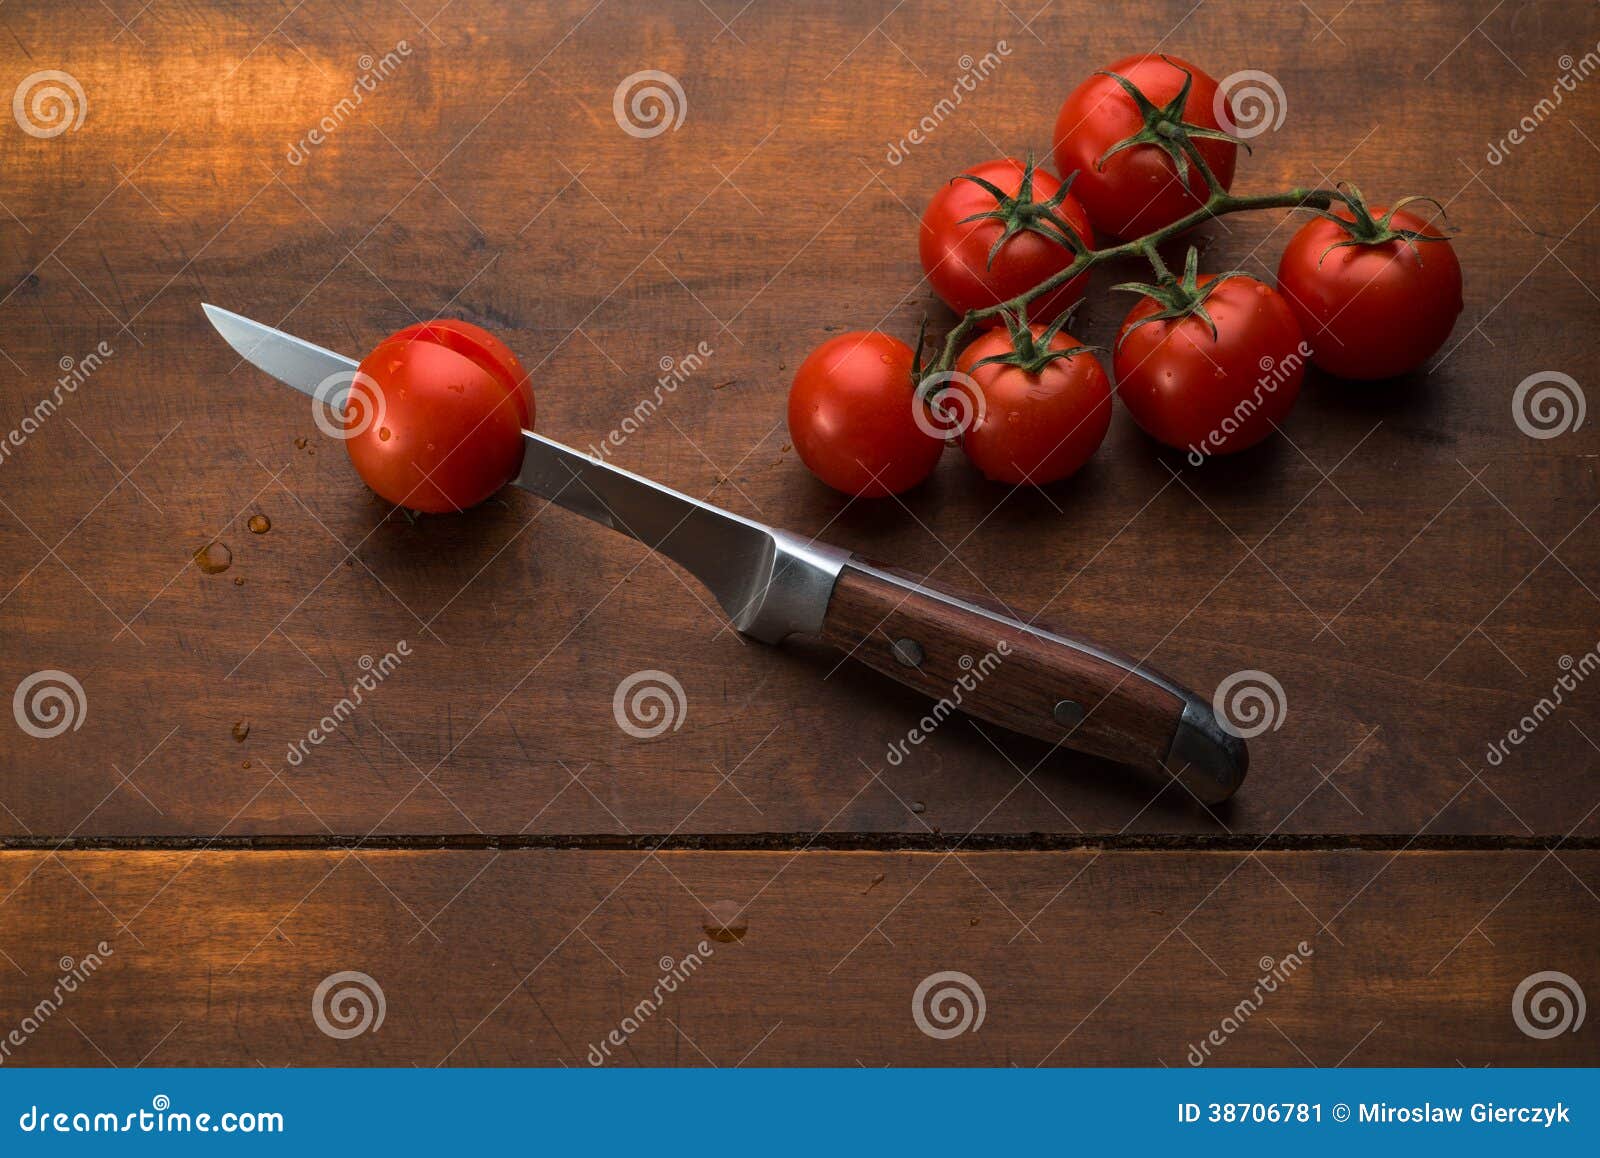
<point x="975" y="656"/>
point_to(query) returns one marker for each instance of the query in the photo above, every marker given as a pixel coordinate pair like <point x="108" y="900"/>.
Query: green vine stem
<point x="1218" y="204"/>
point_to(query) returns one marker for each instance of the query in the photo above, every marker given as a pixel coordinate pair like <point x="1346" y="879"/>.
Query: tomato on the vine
<point x="1034" y="403"/>
<point x="857" y="420"/>
<point x="998" y="230"/>
<point x="1376" y="291"/>
<point x="435" y="416"/>
<point x="1209" y="364"/>
<point x="1122" y="131"/>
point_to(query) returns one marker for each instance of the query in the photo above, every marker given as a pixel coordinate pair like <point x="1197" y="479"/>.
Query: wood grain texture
<point x="999" y="672"/>
<point x="534" y="957"/>
<point x="1406" y="562"/>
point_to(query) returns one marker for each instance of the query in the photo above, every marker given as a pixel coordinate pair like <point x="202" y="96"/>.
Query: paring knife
<point x="772" y="584"/>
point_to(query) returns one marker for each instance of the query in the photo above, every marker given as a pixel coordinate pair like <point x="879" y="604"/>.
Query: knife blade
<point x="773" y="583"/>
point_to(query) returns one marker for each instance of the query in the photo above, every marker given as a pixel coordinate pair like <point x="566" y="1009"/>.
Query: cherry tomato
<point x="959" y="255"/>
<point x="1212" y="394"/>
<point x="1037" y="422"/>
<point x="1139" y="189"/>
<point x="1371" y="310"/>
<point x="435" y="416"/>
<point x="855" y="417"/>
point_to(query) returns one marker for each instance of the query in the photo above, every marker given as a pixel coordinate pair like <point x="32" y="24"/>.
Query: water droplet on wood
<point x="725" y="922"/>
<point x="214" y="558"/>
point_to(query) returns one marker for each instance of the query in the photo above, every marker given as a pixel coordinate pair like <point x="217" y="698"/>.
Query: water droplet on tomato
<point x="214" y="558"/>
<point x="259" y="524"/>
<point x="383" y="434"/>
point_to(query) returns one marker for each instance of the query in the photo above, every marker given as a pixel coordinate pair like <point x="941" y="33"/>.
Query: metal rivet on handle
<point x="1068" y="713"/>
<point x="907" y="652"/>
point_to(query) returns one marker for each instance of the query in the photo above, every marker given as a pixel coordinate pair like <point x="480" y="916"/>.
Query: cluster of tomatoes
<point x="1206" y="363"/>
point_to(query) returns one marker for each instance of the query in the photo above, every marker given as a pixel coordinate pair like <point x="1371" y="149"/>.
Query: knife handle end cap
<point x="1206" y="757"/>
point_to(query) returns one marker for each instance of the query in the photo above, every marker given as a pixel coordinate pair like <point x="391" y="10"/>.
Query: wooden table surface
<point x="514" y="871"/>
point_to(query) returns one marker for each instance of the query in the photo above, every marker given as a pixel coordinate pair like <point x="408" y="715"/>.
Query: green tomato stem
<point x="1219" y="204"/>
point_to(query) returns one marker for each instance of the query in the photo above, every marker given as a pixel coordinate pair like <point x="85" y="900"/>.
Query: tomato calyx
<point x="1365" y="229"/>
<point x="1178" y="297"/>
<point x="1165" y="128"/>
<point x="1021" y="212"/>
<point x="1029" y="353"/>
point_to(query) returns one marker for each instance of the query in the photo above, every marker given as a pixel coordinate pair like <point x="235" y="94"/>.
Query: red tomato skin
<point x="477" y="345"/>
<point x="852" y="416"/>
<point x="1186" y="390"/>
<point x="955" y="256"/>
<point x="1371" y="311"/>
<point x="434" y="430"/>
<point x="1033" y="428"/>
<point x="1139" y="190"/>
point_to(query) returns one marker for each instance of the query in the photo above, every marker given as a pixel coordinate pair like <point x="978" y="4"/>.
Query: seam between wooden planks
<point x="802" y="842"/>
